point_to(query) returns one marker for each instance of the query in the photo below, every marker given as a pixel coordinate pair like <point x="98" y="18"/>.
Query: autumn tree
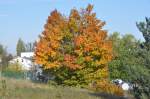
<point x="75" y="49"/>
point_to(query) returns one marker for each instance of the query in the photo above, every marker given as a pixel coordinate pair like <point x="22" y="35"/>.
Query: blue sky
<point x="25" y="18"/>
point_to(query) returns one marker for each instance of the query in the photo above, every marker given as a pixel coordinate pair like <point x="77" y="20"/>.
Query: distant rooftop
<point x="27" y="54"/>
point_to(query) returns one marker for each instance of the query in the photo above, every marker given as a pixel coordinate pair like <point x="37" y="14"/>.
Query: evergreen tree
<point x="29" y="47"/>
<point x="144" y="27"/>
<point x="142" y="73"/>
<point x="20" y="47"/>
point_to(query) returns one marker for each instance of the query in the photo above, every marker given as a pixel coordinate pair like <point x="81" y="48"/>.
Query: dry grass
<point x="23" y="89"/>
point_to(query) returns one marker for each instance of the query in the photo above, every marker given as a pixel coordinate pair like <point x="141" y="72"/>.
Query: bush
<point x="107" y="87"/>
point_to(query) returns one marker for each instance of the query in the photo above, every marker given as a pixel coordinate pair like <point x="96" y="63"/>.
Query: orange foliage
<point x="105" y="86"/>
<point x="77" y="39"/>
<point x="46" y="49"/>
<point x="69" y="61"/>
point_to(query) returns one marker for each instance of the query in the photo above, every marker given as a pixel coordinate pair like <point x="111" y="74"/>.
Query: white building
<point x="25" y="60"/>
<point x="27" y="54"/>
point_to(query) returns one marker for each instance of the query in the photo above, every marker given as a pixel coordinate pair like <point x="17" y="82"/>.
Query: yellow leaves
<point x="104" y="72"/>
<point x="107" y="45"/>
<point x="40" y="61"/>
<point x="73" y="66"/>
<point x="79" y="40"/>
<point x="53" y="54"/>
<point x="88" y="58"/>
<point x="69" y="58"/>
<point x="77" y="51"/>
<point x="54" y="44"/>
<point x="50" y="41"/>
<point x="74" y="14"/>
<point x="89" y="8"/>
<point x="51" y="65"/>
<point x="88" y="48"/>
<point x="98" y="62"/>
<point x="69" y="61"/>
<point x="95" y="52"/>
<point x="105" y="86"/>
<point x="76" y="42"/>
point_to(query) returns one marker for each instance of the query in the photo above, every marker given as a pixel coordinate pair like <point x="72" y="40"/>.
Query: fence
<point x="17" y="74"/>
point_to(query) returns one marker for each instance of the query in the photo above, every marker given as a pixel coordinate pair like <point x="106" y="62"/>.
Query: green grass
<point x="23" y="89"/>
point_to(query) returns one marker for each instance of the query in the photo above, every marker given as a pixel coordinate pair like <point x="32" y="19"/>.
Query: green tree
<point x="144" y="27"/>
<point x="132" y="60"/>
<point x="123" y="51"/>
<point x="29" y="47"/>
<point x="20" y="47"/>
<point x="1" y="53"/>
<point x="140" y="73"/>
<point x="1" y="50"/>
<point x="3" y="56"/>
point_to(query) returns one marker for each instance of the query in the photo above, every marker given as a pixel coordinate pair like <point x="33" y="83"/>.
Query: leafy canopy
<point x="74" y="48"/>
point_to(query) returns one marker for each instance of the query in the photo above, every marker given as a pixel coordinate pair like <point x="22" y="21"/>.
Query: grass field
<point x="23" y="89"/>
<point x="11" y="88"/>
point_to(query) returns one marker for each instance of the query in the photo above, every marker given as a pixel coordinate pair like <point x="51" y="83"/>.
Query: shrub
<point x="107" y="87"/>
